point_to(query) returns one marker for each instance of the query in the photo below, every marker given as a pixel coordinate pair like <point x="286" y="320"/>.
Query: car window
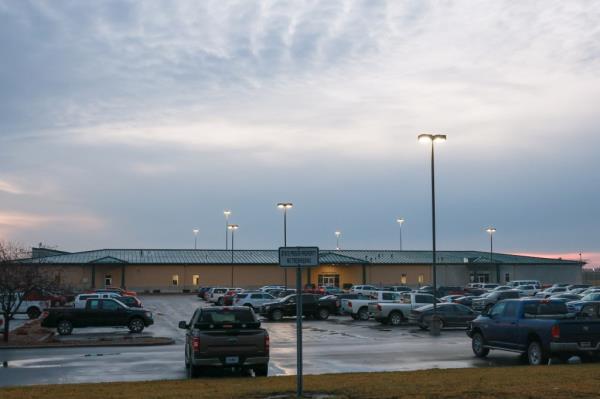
<point x="545" y="308"/>
<point x="110" y="305"/>
<point x="256" y="296"/>
<point x="508" y="295"/>
<point x="94" y="304"/>
<point x="226" y="315"/>
<point x="268" y="296"/>
<point x="589" y="311"/>
<point x="498" y="309"/>
<point x="387" y="296"/>
<point x="423" y="299"/>
<point x="463" y="309"/>
<point x="308" y="299"/>
<point x="510" y="310"/>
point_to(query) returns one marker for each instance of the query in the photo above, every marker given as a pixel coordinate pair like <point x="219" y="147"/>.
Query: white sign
<point x="298" y="256"/>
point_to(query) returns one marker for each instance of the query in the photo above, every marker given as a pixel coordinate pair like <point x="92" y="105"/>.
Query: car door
<point x="112" y="313"/>
<point x="491" y="329"/>
<point x="309" y="304"/>
<point x="265" y="298"/>
<point x="92" y="316"/>
<point x="507" y="325"/>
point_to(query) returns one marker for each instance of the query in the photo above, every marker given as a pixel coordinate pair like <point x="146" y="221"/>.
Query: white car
<point x="516" y="283"/>
<point x="527" y="290"/>
<point x="216" y="294"/>
<point x="81" y="299"/>
<point x="253" y="299"/>
<point x="548" y="292"/>
<point x="367" y="290"/>
<point x="271" y="287"/>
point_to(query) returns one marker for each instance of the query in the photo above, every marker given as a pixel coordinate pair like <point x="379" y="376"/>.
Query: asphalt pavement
<point x="337" y="345"/>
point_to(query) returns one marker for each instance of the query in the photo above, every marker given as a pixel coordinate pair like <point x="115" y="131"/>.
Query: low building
<point x="177" y="270"/>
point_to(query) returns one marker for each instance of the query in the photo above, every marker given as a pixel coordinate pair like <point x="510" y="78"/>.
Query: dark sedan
<point x="575" y="306"/>
<point x="450" y="315"/>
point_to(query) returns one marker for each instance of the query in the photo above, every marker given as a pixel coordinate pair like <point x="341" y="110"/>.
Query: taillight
<point x="196" y="344"/>
<point x="349" y="304"/>
<point x="338" y="304"/>
<point x="267" y="343"/>
<point x="44" y="315"/>
<point x="556" y="331"/>
<point x="379" y="307"/>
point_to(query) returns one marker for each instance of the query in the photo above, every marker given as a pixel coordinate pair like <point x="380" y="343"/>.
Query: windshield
<point x="225" y="315"/>
<point x="545" y="308"/>
<point x="591" y="297"/>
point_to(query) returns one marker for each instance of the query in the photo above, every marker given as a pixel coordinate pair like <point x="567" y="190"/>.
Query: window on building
<point x="108" y="280"/>
<point x="403" y="279"/>
<point x="175" y="280"/>
<point x="421" y="279"/>
<point x="507" y="277"/>
<point x="196" y="279"/>
<point x="329" y="280"/>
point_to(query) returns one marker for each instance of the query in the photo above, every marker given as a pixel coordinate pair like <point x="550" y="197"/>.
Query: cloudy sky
<point x="129" y="123"/>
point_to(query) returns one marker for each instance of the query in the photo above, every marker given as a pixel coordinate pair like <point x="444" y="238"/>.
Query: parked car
<point x="358" y="309"/>
<point x="502" y="288"/>
<point x="368" y="290"/>
<point x="486" y="302"/>
<point x="130" y="301"/>
<point x="400" y="288"/>
<point x="450" y="298"/>
<point x="215" y="294"/>
<point x="284" y="293"/>
<point x="590" y="310"/>
<point x="489" y="286"/>
<point x="228" y="337"/>
<point x="590" y="290"/>
<point x="395" y="313"/>
<point x="202" y="290"/>
<point x="118" y="290"/>
<point x="565" y="296"/>
<point x="516" y="283"/>
<point x="449" y="314"/>
<point x="447" y="290"/>
<point x="228" y="298"/>
<point x="475" y="291"/>
<point x="267" y="287"/>
<point x="97" y="313"/>
<point x="253" y="299"/>
<point x="548" y="292"/>
<point x="32" y="308"/>
<point x="575" y="306"/>
<point x="527" y="290"/>
<point x="572" y="287"/>
<point x="52" y="298"/>
<point x="537" y="328"/>
<point x="311" y="306"/>
<point x="466" y="300"/>
<point x="81" y="299"/>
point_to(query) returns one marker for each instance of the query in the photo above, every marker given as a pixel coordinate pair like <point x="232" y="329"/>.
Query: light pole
<point x="195" y="231"/>
<point x="285" y="206"/>
<point x="337" y="239"/>
<point x="432" y="139"/>
<point x="400" y="221"/>
<point x="491" y="231"/>
<point x="226" y="213"/>
<point x="232" y="228"/>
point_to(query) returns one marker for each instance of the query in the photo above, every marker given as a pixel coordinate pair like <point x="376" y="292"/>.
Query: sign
<point x="298" y="256"/>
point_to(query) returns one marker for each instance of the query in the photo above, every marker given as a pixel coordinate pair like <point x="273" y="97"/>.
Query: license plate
<point x="232" y="360"/>
<point x="585" y="344"/>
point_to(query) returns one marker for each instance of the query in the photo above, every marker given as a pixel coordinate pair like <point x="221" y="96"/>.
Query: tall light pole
<point x="232" y="228"/>
<point x="400" y="222"/>
<point x="432" y="139"/>
<point x="491" y="230"/>
<point x="337" y="239"/>
<point x="285" y="206"/>
<point x="195" y="231"/>
<point x="227" y="213"/>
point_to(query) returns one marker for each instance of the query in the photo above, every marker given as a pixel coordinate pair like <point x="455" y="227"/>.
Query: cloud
<point x="10" y="188"/>
<point x="23" y="220"/>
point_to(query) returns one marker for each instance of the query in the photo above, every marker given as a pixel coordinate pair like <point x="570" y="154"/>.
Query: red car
<point x="229" y="297"/>
<point x="118" y="290"/>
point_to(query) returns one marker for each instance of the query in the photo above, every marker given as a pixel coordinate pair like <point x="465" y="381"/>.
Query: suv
<point x="253" y="300"/>
<point x="311" y="306"/>
<point x="486" y="302"/>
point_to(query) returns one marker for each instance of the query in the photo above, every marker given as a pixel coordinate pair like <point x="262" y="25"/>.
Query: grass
<point x="547" y="382"/>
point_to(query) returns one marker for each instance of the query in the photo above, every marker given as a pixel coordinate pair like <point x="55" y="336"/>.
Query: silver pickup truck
<point x="395" y="313"/>
<point x="358" y="309"/>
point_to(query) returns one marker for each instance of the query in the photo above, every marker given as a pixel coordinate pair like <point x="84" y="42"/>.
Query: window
<point x="108" y="280"/>
<point x="196" y="279"/>
<point x="94" y="304"/>
<point x="403" y="278"/>
<point x="498" y="309"/>
<point x="421" y="279"/>
<point x="507" y="277"/>
<point x="256" y="296"/>
<point x="388" y="297"/>
<point x="110" y="305"/>
<point x="510" y="310"/>
<point x="175" y="280"/>
<point x="423" y="299"/>
<point x="328" y="280"/>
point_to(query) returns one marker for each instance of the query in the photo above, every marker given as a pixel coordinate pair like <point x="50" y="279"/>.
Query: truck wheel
<point x="262" y="370"/>
<point x="195" y="371"/>
<point x="477" y="344"/>
<point x="354" y="317"/>
<point x="535" y="354"/>
<point x="363" y="314"/>
<point x="395" y="318"/>
<point x="136" y="325"/>
<point x="220" y="301"/>
<point x="64" y="327"/>
<point x="33" y="313"/>
<point x="248" y="305"/>
<point x="276" y="315"/>
<point x="323" y="314"/>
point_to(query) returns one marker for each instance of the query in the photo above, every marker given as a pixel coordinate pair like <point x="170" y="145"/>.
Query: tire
<point x="195" y="371"/>
<point x="220" y="301"/>
<point x="535" y="354"/>
<point x="354" y="317"/>
<point x="363" y="314"/>
<point x="33" y="313"/>
<point x="423" y="327"/>
<point x="136" y="325"/>
<point x="248" y="305"/>
<point x="477" y="345"/>
<point x="64" y="327"/>
<point x="322" y="314"/>
<point x="395" y="318"/>
<point x="276" y="315"/>
<point x="261" y="370"/>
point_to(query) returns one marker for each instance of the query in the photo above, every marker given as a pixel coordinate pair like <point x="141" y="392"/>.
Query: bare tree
<point x="18" y="279"/>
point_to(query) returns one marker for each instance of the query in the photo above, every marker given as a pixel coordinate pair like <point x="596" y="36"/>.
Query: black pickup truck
<point x="312" y="305"/>
<point x="97" y="313"/>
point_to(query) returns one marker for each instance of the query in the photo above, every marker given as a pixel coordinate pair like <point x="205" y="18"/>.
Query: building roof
<point x="269" y="257"/>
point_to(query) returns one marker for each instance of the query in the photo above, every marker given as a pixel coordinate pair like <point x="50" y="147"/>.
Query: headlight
<point x="149" y="315"/>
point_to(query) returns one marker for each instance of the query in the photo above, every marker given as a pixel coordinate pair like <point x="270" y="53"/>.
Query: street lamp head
<point x="431" y="138"/>
<point x="285" y="205"/>
<point x="338" y="233"/>
<point x="195" y="231"/>
<point x="491" y="230"/>
<point x="400" y="221"/>
<point x="232" y="227"/>
<point x="226" y="213"/>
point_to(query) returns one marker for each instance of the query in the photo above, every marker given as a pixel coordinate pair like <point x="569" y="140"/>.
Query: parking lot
<point x="336" y="345"/>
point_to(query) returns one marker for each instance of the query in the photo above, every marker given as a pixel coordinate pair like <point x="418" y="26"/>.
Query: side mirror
<point x="183" y="325"/>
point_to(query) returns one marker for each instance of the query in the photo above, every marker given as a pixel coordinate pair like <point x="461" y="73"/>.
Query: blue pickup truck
<point x="539" y="328"/>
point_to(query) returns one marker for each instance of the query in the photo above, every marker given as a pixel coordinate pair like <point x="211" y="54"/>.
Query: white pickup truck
<point x="395" y="313"/>
<point x="358" y="309"/>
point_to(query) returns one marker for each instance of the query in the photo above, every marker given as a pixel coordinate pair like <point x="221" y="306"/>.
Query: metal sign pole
<point x="299" y="332"/>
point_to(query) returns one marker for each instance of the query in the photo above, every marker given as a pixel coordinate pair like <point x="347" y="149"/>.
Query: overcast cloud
<point x="128" y="123"/>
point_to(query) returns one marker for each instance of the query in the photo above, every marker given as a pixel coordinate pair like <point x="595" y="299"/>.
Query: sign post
<point x="299" y="257"/>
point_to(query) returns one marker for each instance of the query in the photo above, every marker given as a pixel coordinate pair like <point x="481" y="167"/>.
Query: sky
<point x="127" y="124"/>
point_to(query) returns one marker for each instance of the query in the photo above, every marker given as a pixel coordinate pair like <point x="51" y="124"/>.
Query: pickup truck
<point x="539" y="328"/>
<point x="395" y="313"/>
<point x="312" y="305"/>
<point x="358" y="309"/>
<point x="223" y="336"/>
<point x="97" y="313"/>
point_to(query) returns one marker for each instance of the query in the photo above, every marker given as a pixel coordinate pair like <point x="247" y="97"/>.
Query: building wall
<point x="416" y="275"/>
<point x="547" y="274"/>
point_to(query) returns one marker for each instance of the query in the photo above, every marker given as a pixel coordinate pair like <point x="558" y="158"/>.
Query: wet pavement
<point x="337" y="345"/>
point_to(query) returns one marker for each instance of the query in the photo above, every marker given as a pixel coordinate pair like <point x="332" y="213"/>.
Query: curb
<point x="164" y="342"/>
